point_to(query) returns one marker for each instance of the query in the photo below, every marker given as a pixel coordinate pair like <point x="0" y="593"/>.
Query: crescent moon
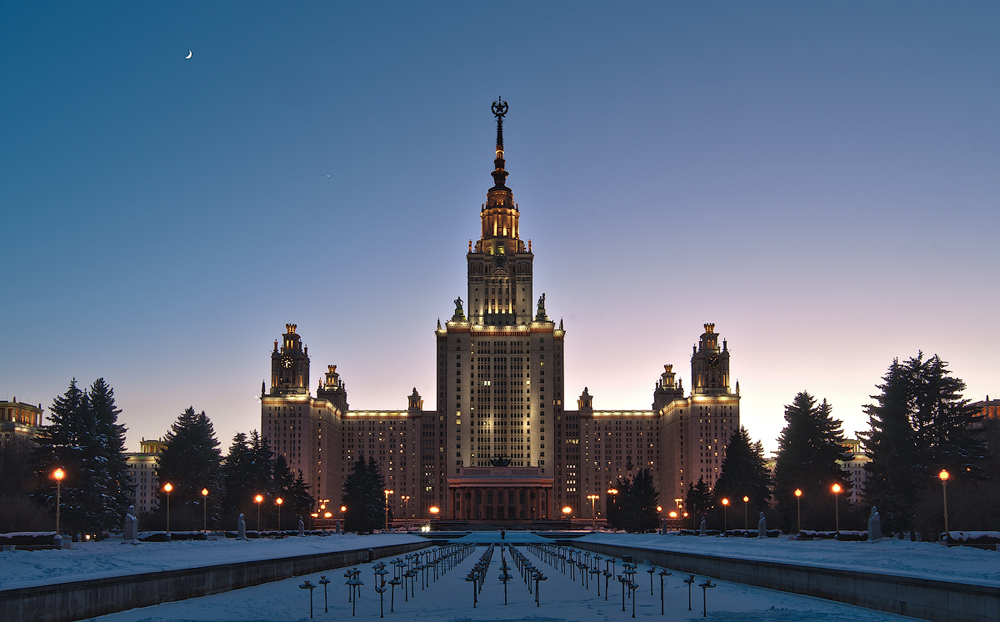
<point x="189" y="54"/>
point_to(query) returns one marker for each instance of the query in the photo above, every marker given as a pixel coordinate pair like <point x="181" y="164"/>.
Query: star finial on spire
<point x="499" y="109"/>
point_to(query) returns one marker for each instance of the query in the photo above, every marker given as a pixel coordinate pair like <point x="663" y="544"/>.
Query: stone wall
<point x="77" y="600"/>
<point x="940" y="601"/>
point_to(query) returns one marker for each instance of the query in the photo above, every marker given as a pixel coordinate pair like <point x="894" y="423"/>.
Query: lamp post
<point x="387" y="493"/>
<point x="836" y="488"/>
<point x="798" y="509"/>
<point x="593" y="511"/>
<point x="944" y="475"/>
<point x="406" y="510"/>
<point x="725" y="516"/>
<point x="258" y="499"/>
<point x="614" y="501"/>
<point x="58" y="475"/>
<point x="746" y="525"/>
<point x="278" y="502"/>
<point x="204" y="509"/>
<point x="167" y="488"/>
<point x="567" y="511"/>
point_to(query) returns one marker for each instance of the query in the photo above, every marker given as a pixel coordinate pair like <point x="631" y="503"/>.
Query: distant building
<point x="855" y="468"/>
<point x="19" y="419"/>
<point x="501" y="445"/>
<point x="142" y="468"/>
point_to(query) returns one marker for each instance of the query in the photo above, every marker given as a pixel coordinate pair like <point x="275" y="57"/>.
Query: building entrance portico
<point x="500" y="493"/>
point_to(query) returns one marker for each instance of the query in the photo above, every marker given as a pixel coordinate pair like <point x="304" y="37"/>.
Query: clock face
<point x="713" y="360"/>
<point x="287" y="362"/>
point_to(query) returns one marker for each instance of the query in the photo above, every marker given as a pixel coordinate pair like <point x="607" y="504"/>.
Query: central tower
<point x="500" y="371"/>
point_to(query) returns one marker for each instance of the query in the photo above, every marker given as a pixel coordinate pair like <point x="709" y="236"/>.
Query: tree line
<point x="86" y="441"/>
<point x="919" y="424"/>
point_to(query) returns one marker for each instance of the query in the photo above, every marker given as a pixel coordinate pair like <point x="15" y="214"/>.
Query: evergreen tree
<point x="364" y="497"/>
<point x="300" y="501"/>
<point x="698" y="499"/>
<point x="808" y="450"/>
<point x="237" y="487"/>
<point x="191" y="461"/>
<point x="615" y="510"/>
<point x="744" y="472"/>
<point x="920" y="424"/>
<point x="261" y="465"/>
<point x="112" y="477"/>
<point x="640" y="503"/>
<point x="86" y="441"/>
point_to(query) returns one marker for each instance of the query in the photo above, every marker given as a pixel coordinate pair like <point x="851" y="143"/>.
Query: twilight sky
<point x="821" y="180"/>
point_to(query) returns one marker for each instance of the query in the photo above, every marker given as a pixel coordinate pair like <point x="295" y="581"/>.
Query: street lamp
<point x="167" y="488"/>
<point x="798" y="508"/>
<point x="204" y="509"/>
<point x="593" y="511"/>
<point x="258" y="499"/>
<point x="836" y="488"/>
<point x="387" y="493"/>
<point x="746" y="525"/>
<point x="567" y="511"/>
<point x="279" y="501"/>
<point x="406" y="510"/>
<point x="434" y="510"/>
<point x="725" y="516"/>
<point x="614" y="501"/>
<point x="944" y="475"/>
<point x="58" y="475"/>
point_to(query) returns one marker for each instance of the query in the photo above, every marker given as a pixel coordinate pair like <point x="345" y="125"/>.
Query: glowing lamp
<point x="567" y="510"/>
<point x="944" y="475"/>
<point x="168" y="487"/>
<point x="59" y="474"/>
<point x="434" y="509"/>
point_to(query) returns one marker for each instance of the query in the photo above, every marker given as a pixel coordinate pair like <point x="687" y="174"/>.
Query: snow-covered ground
<point x="450" y="599"/>
<point x="926" y="560"/>
<point x="112" y="558"/>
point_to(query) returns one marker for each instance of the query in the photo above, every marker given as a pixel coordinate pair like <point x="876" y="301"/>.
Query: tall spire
<point x="499" y="108"/>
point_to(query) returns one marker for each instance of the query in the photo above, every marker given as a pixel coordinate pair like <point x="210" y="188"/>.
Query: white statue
<point x="874" y="525"/>
<point x="131" y="526"/>
<point x="241" y="528"/>
<point x="762" y="526"/>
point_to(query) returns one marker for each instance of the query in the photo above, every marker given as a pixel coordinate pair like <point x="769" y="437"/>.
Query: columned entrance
<point x="500" y="494"/>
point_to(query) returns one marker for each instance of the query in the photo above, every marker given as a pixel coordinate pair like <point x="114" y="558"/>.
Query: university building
<point x="504" y="443"/>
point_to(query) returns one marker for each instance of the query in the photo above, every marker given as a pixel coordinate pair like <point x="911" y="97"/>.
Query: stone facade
<point x="500" y="444"/>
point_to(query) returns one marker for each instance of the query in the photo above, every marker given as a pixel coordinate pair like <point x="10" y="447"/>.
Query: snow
<point x="111" y="558"/>
<point x="925" y="560"/>
<point x="450" y="599"/>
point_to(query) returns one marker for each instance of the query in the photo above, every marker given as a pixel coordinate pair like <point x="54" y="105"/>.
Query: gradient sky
<point x="821" y="180"/>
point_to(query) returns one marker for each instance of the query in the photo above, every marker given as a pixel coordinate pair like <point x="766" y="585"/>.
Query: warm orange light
<point x="258" y="499"/>
<point x="315" y="515"/>
<point x="612" y="491"/>
<point x="434" y="509"/>
<point x="745" y="498"/>
<point x="659" y="508"/>
<point x="279" y="500"/>
<point x="944" y="475"/>
<point x="836" y="489"/>
<point x="168" y="487"/>
<point x="59" y="474"/>
<point x="327" y="515"/>
<point x="343" y="509"/>
<point x="798" y="493"/>
<point x="725" y="502"/>
<point x="673" y="515"/>
<point x="204" y="492"/>
<point x="567" y="510"/>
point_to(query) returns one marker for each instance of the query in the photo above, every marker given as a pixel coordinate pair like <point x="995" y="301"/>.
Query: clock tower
<point x="710" y="365"/>
<point x="290" y="365"/>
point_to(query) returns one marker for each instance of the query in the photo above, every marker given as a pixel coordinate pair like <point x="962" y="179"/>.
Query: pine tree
<point x="300" y="501"/>
<point x="237" y="487"/>
<point x="86" y="441"/>
<point x="920" y="424"/>
<point x="107" y="444"/>
<point x="808" y="450"/>
<point x="698" y="499"/>
<point x="364" y="497"/>
<point x="744" y="472"/>
<point x="191" y="461"/>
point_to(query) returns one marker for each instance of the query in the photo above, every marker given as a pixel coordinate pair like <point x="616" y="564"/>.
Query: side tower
<point x="696" y="430"/>
<point x="307" y="432"/>
<point x="500" y="372"/>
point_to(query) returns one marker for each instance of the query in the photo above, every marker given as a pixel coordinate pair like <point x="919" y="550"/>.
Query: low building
<point x="20" y="419"/>
<point x="142" y="467"/>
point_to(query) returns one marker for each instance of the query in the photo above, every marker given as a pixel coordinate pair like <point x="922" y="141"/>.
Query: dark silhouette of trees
<point x="744" y="473"/>
<point x="808" y="450"/>
<point x="364" y="497"/>
<point x="634" y="507"/>
<point x="191" y="461"/>
<point x="698" y="499"/>
<point x="920" y="424"/>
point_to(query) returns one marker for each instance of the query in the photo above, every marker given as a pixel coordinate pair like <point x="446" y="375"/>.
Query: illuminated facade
<point x="17" y="419"/>
<point x="142" y="467"/>
<point x="500" y="445"/>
